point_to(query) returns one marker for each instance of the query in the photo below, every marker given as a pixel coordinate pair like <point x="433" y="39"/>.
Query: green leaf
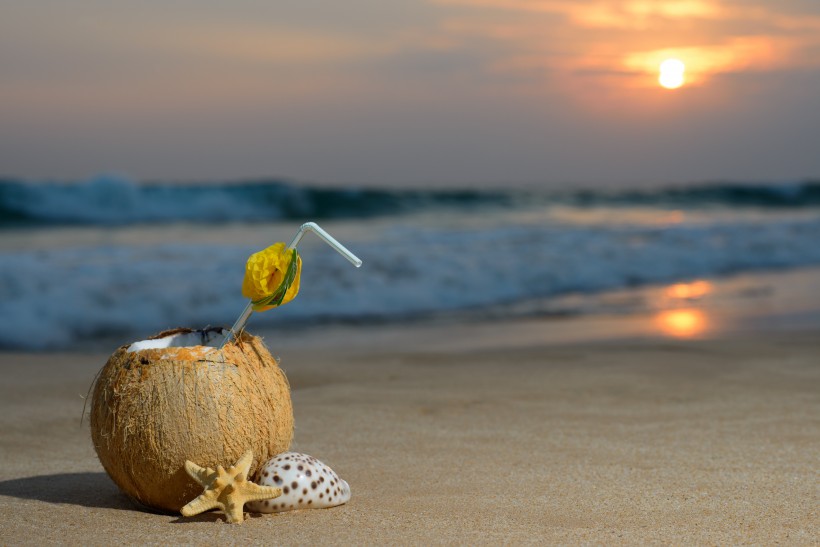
<point x="278" y="295"/>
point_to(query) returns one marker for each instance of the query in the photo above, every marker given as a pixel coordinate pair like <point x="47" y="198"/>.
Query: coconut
<point x="171" y="398"/>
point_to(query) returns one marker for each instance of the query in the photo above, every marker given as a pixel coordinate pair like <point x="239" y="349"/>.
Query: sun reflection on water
<point x="680" y="319"/>
<point x="683" y="323"/>
<point x="689" y="291"/>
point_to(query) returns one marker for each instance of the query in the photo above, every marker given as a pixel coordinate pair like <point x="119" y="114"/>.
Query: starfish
<point x="228" y="490"/>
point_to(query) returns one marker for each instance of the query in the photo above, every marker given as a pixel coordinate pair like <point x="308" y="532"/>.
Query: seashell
<point x="306" y="483"/>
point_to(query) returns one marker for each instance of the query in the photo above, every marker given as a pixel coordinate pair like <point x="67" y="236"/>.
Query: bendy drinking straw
<point x="306" y="227"/>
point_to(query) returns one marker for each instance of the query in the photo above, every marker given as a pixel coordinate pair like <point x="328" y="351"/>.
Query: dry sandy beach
<point x="613" y="442"/>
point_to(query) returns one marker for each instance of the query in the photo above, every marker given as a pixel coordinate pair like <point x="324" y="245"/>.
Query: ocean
<point x="115" y="258"/>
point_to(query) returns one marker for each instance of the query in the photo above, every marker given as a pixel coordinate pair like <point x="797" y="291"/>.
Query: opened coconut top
<point x="181" y="338"/>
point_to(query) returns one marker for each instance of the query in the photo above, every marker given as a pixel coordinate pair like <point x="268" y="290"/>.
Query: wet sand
<point x="511" y="440"/>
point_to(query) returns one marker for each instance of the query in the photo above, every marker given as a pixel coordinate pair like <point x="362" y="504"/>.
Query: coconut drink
<point x="171" y="398"/>
<point x="207" y="396"/>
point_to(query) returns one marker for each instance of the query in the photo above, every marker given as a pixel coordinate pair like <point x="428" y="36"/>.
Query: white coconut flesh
<point x="210" y="338"/>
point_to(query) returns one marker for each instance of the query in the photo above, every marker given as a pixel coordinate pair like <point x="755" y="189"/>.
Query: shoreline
<point x="737" y="305"/>
<point x="744" y="305"/>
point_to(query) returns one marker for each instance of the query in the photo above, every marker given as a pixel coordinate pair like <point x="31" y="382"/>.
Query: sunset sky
<point x="410" y="91"/>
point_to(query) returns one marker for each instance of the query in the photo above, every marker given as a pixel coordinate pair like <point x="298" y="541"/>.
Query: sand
<point x="612" y="442"/>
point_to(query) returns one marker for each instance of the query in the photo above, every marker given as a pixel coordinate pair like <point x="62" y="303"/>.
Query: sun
<point x="671" y="73"/>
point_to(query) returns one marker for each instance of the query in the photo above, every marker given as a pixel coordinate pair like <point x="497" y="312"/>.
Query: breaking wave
<point x="116" y="200"/>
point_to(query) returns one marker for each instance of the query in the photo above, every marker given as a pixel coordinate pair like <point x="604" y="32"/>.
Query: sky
<point x="402" y="92"/>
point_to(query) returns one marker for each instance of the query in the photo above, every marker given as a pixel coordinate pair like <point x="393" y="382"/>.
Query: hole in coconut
<point x="183" y="339"/>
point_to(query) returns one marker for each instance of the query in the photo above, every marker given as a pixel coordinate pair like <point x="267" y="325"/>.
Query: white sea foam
<point x="56" y="297"/>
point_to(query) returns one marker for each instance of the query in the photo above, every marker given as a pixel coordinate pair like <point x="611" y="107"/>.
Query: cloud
<point x="737" y="54"/>
<point x="604" y="13"/>
<point x="634" y="36"/>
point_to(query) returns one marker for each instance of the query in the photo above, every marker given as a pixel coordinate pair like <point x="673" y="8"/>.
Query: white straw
<point x="306" y="227"/>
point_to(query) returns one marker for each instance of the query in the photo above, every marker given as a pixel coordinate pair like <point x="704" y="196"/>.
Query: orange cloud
<point x="738" y="54"/>
<point x="639" y="14"/>
<point x="629" y="38"/>
<point x="605" y="13"/>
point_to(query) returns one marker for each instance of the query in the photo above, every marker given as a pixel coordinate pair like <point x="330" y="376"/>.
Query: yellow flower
<point x="270" y="277"/>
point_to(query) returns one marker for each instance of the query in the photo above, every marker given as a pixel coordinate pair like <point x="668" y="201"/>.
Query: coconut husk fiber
<point x="153" y="409"/>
